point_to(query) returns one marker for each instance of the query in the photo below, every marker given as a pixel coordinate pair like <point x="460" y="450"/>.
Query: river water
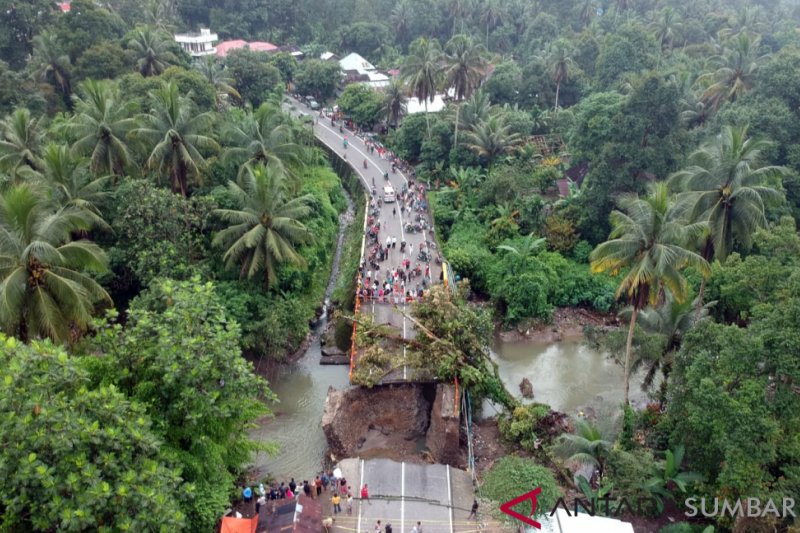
<point x="302" y="387"/>
<point x="568" y="375"/>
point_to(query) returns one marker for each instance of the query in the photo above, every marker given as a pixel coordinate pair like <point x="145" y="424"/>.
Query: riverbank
<point x="567" y="325"/>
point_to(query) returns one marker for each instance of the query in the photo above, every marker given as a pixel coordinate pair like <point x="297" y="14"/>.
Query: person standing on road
<point x="394" y="211"/>
<point x="474" y="512"/>
<point x="394" y="242"/>
<point x="377" y="525"/>
<point x="349" y="504"/>
<point x="365" y="494"/>
<point x="336" y="501"/>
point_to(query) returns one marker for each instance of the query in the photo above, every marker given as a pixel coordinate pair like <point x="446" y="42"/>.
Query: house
<point x="225" y="47"/>
<point x="413" y="105"/>
<point x="329" y="56"/>
<point x="198" y="44"/>
<point x="356" y="69"/>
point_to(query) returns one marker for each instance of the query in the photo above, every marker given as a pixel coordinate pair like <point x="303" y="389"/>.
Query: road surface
<point x="392" y="220"/>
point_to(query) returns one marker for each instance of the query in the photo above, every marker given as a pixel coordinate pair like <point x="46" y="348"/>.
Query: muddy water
<point x="302" y="388"/>
<point x="567" y="375"/>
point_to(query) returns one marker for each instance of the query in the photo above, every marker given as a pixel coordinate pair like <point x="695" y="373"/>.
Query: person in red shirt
<point x="365" y="493"/>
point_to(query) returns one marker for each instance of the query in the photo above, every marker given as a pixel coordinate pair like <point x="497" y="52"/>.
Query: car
<point x="313" y="104"/>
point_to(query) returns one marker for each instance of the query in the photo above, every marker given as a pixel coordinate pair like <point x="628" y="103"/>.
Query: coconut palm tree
<point x="492" y="138"/>
<point x="647" y="239"/>
<point x="559" y="64"/>
<point x="666" y="26"/>
<point x="151" y="47"/>
<point x="464" y="65"/>
<point x="20" y="142"/>
<point x="266" y="230"/>
<point x="733" y="70"/>
<point x="587" y="446"/>
<point x="670" y="322"/>
<point x="100" y="127"/>
<point x="70" y="183"/>
<point x="492" y="13"/>
<point x="394" y="102"/>
<point x="475" y="110"/>
<point x="726" y="185"/>
<point x="175" y="136"/>
<point x="422" y="71"/>
<point x="44" y="291"/>
<point x="51" y="64"/>
<point x="266" y="137"/>
<point x="215" y="74"/>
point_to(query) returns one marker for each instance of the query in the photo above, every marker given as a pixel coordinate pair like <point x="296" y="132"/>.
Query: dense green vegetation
<point x="630" y="157"/>
<point x="161" y="219"/>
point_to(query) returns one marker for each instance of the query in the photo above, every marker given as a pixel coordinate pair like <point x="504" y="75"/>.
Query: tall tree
<point x="422" y="71"/>
<point x="394" y="102"/>
<point x="266" y="137"/>
<point x="151" y="47"/>
<point x="20" y="142"/>
<point x="464" y="66"/>
<point x="726" y="184"/>
<point x="266" y="230"/>
<point x="175" y="135"/>
<point x="100" y="126"/>
<point x="647" y="239"/>
<point x="44" y="291"/>
<point x="733" y="70"/>
<point x="559" y="64"/>
<point x="51" y="63"/>
<point x="52" y="419"/>
<point x="216" y="75"/>
<point x="70" y="183"/>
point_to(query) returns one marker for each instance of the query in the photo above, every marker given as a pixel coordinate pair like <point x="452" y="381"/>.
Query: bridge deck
<point x="393" y="222"/>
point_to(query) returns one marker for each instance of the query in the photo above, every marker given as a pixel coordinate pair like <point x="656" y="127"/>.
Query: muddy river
<point x="567" y="375"/>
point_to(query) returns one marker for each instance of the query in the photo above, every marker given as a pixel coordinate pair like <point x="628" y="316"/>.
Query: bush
<point x="513" y="476"/>
<point x="343" y="333"/>
<point x="520" y="427"/>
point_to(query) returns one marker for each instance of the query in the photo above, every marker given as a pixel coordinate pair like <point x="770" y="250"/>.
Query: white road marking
<point x="403" y="497"/>
<point x="360" y="501"/>
<point x="450" y="498"/>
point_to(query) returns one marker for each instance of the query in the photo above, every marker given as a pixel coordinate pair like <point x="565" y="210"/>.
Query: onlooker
<point x="336" y="500"/>
<point x="474" y="512"/>
<point x="365" y="492"/>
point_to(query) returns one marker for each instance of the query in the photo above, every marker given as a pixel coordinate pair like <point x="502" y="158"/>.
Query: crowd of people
<point x="325" y="483"/>
<point x="410" y="274"/>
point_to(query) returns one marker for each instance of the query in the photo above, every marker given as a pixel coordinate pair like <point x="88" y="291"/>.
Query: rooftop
<point x="256" y="46"/>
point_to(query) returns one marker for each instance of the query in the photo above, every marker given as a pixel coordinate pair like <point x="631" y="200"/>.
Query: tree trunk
<point x="455" y="133"/>
<point x="558" y="86"/>
<point x="427" y="119"/>
<point x="700" y="296"/>
<point x="628" y="349"/>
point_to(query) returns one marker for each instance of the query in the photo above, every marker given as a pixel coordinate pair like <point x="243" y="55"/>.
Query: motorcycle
<point x="422" y="256"/>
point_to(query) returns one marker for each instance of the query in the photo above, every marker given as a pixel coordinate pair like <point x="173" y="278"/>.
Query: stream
<point x="302" y="388"/>
<point x="567" y="375"/>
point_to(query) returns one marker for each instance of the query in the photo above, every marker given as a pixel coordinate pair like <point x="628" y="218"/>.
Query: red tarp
<point x="239" y="525"/>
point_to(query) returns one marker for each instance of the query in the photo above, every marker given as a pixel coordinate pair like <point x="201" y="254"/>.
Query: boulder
<point x="526" y="388"/>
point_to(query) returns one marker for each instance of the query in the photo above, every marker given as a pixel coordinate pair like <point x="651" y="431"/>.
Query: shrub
<point x="520" y="427"/>
<point x="512" y="476"/>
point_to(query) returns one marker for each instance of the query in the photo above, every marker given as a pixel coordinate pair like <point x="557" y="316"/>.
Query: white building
<point x="358" y="70"/>
<point x="198" y="44"/>
<point x="413" y="105"/>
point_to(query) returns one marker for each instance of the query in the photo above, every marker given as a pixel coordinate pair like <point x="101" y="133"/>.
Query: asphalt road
<point x="403" y="494"/>
<point x="392" y="220"/>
